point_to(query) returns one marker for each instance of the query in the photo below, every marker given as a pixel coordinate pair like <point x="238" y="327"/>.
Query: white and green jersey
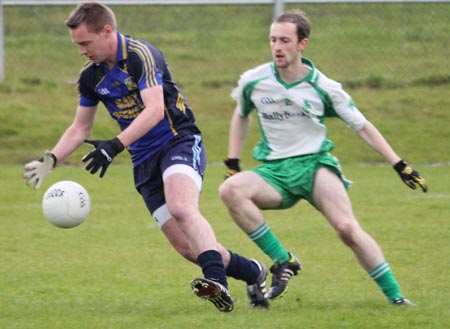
<point x="291" y="116"/>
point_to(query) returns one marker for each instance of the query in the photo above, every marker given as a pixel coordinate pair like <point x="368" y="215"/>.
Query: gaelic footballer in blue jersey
<point x="139" y="66"/>
<point x="131" y="79"/>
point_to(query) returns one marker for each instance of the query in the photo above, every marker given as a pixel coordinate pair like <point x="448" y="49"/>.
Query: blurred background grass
<point x="392" y="58"/>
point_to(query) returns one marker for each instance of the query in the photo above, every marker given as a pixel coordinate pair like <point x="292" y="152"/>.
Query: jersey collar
<point x="122" y="42"/>
<point x="310" y="77"/>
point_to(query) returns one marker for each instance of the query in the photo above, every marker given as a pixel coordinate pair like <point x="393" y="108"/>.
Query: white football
<point x="66" y="204"/>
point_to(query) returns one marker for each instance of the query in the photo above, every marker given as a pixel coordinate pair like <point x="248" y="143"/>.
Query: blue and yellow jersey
<point x="139" y="66"/>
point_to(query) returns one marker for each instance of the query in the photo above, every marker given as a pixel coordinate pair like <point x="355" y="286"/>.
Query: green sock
<point x="267" y="242"/>
<point x="383" y="276"/>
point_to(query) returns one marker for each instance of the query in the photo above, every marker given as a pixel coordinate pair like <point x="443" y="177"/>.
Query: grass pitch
<point x="116" y="270"/>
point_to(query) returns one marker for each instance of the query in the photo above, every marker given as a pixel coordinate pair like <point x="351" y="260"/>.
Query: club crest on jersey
<point x="287" y="99"/>
<point x="130" y="83"/>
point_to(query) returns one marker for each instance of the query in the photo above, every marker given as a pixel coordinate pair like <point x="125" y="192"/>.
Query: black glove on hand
<point x="409" y="176"/>
<point x="233" y="167"/>
<point x="102" y="156"/>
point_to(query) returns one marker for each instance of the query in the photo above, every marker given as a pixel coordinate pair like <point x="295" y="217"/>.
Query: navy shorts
<point x="183" y="153"/>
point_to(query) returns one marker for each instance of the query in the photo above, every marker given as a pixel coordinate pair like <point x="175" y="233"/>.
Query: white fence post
<point x="278" y="8"/>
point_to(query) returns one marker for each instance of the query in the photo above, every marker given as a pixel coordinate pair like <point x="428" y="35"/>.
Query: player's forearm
<point x="143" y="123"/>
<point x="151" y="115"/>
<point x="69" y="142"/>
<point x="370" y="134"/>
<point x="238" y="133"/>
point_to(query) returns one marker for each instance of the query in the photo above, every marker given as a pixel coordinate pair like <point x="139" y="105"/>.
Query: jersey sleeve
<point x="86" y="88"/>
<point x="242" y="95"/>
<point x="343" y="106"/>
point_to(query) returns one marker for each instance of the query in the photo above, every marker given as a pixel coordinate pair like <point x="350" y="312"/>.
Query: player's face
<point x="95" y="46"/>
<point x="286" y="48"/>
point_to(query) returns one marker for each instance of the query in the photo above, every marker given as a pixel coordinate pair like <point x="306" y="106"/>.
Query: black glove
<point x="232" y="167"/>
<point x="102" y="156"/>
<point x="409" y="176"/>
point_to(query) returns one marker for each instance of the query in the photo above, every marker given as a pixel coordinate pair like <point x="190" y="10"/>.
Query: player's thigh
<point x="331" y="198"/>
<point x="181" y="192"/>
<point x="249" y="185"/>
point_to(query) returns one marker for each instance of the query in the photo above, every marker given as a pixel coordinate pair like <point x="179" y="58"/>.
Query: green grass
<point x="406" y="41"/>
<point x="117" y="271"/>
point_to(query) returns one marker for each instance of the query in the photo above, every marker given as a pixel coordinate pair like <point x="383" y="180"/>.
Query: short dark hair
<point x="300" y="20"/>
<point x="93" y="14"/>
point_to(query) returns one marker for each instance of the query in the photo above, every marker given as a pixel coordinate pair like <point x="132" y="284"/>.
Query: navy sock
<point x="242" y="268"/>
<point x="212" y="266"/>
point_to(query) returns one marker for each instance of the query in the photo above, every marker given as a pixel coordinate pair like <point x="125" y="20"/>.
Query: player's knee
<point x="348" y="233"/>
<point x="223" y="191"/>
<point x="228" y="190"/>
<point x="182" y="212"/>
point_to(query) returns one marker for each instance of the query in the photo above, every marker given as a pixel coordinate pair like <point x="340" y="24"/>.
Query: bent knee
<point x="228" y="189"/>
<point x="182" y="211"/>
<point x="348" y="232"/>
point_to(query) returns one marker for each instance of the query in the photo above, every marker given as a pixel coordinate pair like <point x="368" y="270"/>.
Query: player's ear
<point x="108" y="29"/>
<point x="302" y="44"/>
